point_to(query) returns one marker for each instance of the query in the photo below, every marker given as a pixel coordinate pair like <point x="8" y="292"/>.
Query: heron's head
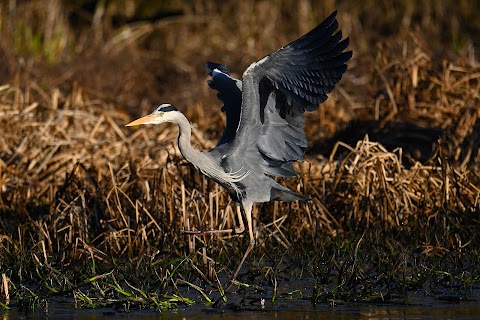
<point x="164" y="113"/>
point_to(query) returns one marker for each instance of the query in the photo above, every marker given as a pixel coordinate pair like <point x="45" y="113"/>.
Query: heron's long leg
<point x="247" y="207"/>
<point x="240" y="229"/>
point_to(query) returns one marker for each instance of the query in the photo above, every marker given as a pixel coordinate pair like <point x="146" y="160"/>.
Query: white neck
<point x="201" y="160"/>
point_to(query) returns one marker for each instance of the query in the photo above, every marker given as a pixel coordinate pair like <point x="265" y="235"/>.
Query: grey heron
<point x="264" y="132"/>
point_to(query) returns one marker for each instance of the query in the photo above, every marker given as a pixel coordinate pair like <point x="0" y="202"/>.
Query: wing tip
<point x="210" y="66"/>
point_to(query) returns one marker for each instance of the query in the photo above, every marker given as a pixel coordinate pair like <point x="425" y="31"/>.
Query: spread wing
<point x="279" y="88"/>
<point x="230" y="92"/>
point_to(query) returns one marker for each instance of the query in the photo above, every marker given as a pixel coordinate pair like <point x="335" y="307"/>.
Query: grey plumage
<point x="264" y="133"/>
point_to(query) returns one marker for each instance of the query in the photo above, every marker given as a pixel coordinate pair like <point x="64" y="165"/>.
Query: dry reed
<point x="79" y="190"/>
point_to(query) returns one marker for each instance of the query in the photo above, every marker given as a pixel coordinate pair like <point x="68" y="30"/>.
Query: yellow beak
<point x="144" y="120"/>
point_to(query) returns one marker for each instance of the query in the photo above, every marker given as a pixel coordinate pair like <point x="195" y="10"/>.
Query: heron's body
<point x="264" y="132"/>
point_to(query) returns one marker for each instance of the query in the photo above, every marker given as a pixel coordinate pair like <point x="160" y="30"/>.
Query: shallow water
<point x="293" y="310"/>
<point x="252" y="304"/>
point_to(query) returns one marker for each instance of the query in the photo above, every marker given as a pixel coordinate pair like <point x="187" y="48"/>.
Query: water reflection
<point x="464" y="310"/>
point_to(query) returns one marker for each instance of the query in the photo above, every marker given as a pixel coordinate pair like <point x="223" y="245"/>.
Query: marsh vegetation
<point x="93" y="211"/>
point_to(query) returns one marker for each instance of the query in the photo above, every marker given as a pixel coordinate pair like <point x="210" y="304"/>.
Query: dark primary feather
<point x="294" y="79"/>
<point x="307" y="69"/>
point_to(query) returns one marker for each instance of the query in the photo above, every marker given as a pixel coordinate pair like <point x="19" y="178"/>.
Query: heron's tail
<point x="279" y="192"/>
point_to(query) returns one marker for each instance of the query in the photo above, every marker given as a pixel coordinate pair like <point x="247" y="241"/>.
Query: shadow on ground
<point x="417" y="142"/>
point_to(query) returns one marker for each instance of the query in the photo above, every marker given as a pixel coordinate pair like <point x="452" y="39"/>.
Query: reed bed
<point x="94" y="210"/>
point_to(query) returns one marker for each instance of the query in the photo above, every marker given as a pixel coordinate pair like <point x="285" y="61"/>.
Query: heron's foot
<point x="233" y="279"/>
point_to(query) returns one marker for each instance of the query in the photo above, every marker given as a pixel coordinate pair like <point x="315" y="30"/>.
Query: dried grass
<point x="76" y="186"/>
<point x="70" y="169"/>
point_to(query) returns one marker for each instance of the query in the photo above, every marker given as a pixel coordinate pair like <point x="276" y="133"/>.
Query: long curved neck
<point x="204" y="161"/>
<point x="184" y="141"/>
